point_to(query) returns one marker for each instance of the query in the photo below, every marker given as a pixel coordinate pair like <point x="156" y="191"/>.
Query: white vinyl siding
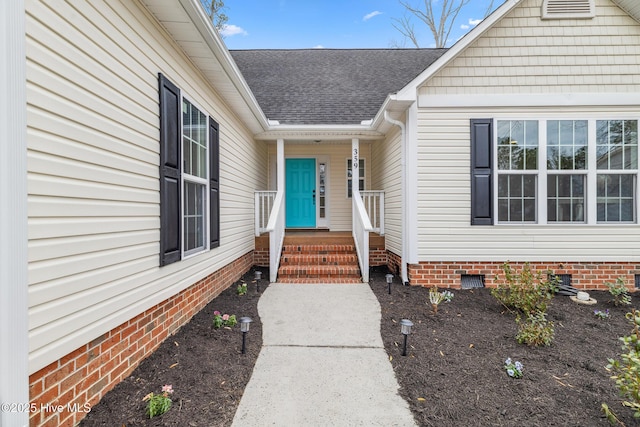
<point x="93" y="182"/>
<point x="524" y="54"/>
<point x="444" y="200"/>
<point x="386" y="173"/>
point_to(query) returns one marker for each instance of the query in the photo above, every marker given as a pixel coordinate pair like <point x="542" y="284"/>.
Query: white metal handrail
<point x="374" y="205"/>
<point x="263" y="206"/>
<point x="275" y="228"/>
<point x="361" y="228"/>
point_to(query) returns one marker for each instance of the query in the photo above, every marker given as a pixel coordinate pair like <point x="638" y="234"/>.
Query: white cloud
<point x="318" y="47"/>
<point x="232" y="30"/>
<point x="474" y="22"/>
<point x="464" y="27"/>
<point x="371" y="15"/>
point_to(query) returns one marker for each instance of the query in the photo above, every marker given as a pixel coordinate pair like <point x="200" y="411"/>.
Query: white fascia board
<point x="529" y="100"/>
<point x="320" y="132"/>
<point x="409" y="91"/>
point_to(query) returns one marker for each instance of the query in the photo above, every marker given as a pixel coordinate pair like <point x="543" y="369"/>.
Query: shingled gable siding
<point x="524" y="54"/>
<point x="93" y="189"/>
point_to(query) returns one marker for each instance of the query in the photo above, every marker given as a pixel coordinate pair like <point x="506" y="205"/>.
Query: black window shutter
<point x="170" y="158"/>
<point x="481" y="172"/>
<point x="214" y="184"/>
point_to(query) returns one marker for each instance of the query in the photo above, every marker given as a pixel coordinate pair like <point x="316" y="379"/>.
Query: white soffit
<point x="632" y="7"/>
<point x="190" y="28"/>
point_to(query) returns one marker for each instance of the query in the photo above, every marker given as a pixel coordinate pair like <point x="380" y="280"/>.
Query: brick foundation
<point x="584" y="275"/>
<point x="83" y="376"/>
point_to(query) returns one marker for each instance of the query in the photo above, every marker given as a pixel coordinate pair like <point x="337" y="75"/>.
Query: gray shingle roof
<point x="329" y="86"/>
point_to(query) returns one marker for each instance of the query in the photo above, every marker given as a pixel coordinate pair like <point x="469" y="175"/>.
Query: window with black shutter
<point x="189" y="176"/>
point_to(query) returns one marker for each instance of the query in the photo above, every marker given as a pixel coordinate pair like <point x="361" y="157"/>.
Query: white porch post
<point x="280" y="165"/>
<point x="14" y="329"/>
<point x="355" y="165"/>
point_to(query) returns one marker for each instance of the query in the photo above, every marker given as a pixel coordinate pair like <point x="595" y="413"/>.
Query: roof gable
<point x="327" y="86"/>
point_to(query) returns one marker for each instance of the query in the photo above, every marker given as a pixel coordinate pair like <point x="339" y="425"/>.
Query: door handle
<point x="314" y="196"/>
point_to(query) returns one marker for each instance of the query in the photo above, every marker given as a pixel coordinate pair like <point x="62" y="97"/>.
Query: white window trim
<point x="197" y="180"/>
<point x="591" y="202"/>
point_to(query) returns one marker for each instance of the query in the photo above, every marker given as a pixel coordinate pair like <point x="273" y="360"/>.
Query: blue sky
<point x="337" y="24"/>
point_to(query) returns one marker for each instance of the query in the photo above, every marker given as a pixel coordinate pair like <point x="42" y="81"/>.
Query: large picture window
<point x="562" y="171"/>
<point x="189" y="177"/>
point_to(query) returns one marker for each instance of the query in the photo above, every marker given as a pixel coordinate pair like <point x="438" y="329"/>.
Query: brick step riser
<point x="333" y="263"/>
<point x="318" y="249"/>
<point x="319" y="270"/>
<point x="329" y="259"/>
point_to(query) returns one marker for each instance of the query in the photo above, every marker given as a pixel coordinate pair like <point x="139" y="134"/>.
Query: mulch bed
<point x="453" y="374"/>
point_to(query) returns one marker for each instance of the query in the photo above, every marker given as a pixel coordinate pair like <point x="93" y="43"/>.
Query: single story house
<point x="140" y="158"/>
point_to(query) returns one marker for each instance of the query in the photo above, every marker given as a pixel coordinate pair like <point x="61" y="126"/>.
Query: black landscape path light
<point x="258" y="276"/>
<point x="405" y="328"/>
<point x="244" y="328"/>
<point x="389" y="278"/>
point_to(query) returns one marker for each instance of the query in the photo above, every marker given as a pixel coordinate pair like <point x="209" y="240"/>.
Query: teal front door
<point x="300" y="197"/>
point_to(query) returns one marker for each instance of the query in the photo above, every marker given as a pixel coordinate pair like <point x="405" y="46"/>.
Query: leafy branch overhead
<point x="215" y="11"/>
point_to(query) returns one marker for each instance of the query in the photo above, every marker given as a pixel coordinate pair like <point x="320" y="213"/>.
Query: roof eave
<point x="632" y="7"/>
<point x="320" y="132"/>
<point x="195" y="35"/>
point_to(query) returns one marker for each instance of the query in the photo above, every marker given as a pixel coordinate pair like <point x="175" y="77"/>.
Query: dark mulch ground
<point x="454" y="372"/>
<point x="452" y="376"/>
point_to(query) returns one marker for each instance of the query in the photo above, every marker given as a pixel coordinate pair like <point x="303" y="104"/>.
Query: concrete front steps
<point x="315" y="259"/>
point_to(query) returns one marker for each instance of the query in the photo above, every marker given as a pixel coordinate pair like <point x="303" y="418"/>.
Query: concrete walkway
<point x="322" y="362"/>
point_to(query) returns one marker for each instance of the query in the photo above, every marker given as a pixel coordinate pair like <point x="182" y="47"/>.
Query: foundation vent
<point x="471" y="281"/>
<point x="568" y="9"/>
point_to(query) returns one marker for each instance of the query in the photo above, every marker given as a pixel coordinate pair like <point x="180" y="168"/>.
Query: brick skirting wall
<point x="82" y="377"/>
<point x="584" y="275"/>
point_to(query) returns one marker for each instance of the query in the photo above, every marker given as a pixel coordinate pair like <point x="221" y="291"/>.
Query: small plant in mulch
<point x="514" y="369"/>
<point x="535" y="330"/>
<point x="602" y="315"/>
<point x="436" y="297"/>
<point x="158" y="404"/>
<point x="223" y="320"/>
<point x="625" y="371"/>
<point x="619" y="292"/>
<point x="528" y="293"/>
<point x="242" y="289"/>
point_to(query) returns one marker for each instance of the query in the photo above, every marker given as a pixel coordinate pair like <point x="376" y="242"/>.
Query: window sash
<point x="195" y="178"/>
<point x="582" y="166"/>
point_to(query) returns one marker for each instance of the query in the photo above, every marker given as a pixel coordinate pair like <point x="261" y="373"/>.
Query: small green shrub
<point x="626" y="372"/>
<point x="619" y="292"/>
<point x="242" y="289"/>
<point x="158" y="404"/>
<point x="535" y="331"/>
<point x="527" y="291"/>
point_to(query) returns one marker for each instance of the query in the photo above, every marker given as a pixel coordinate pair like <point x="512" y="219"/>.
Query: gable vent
<point x="568" y="9"/>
